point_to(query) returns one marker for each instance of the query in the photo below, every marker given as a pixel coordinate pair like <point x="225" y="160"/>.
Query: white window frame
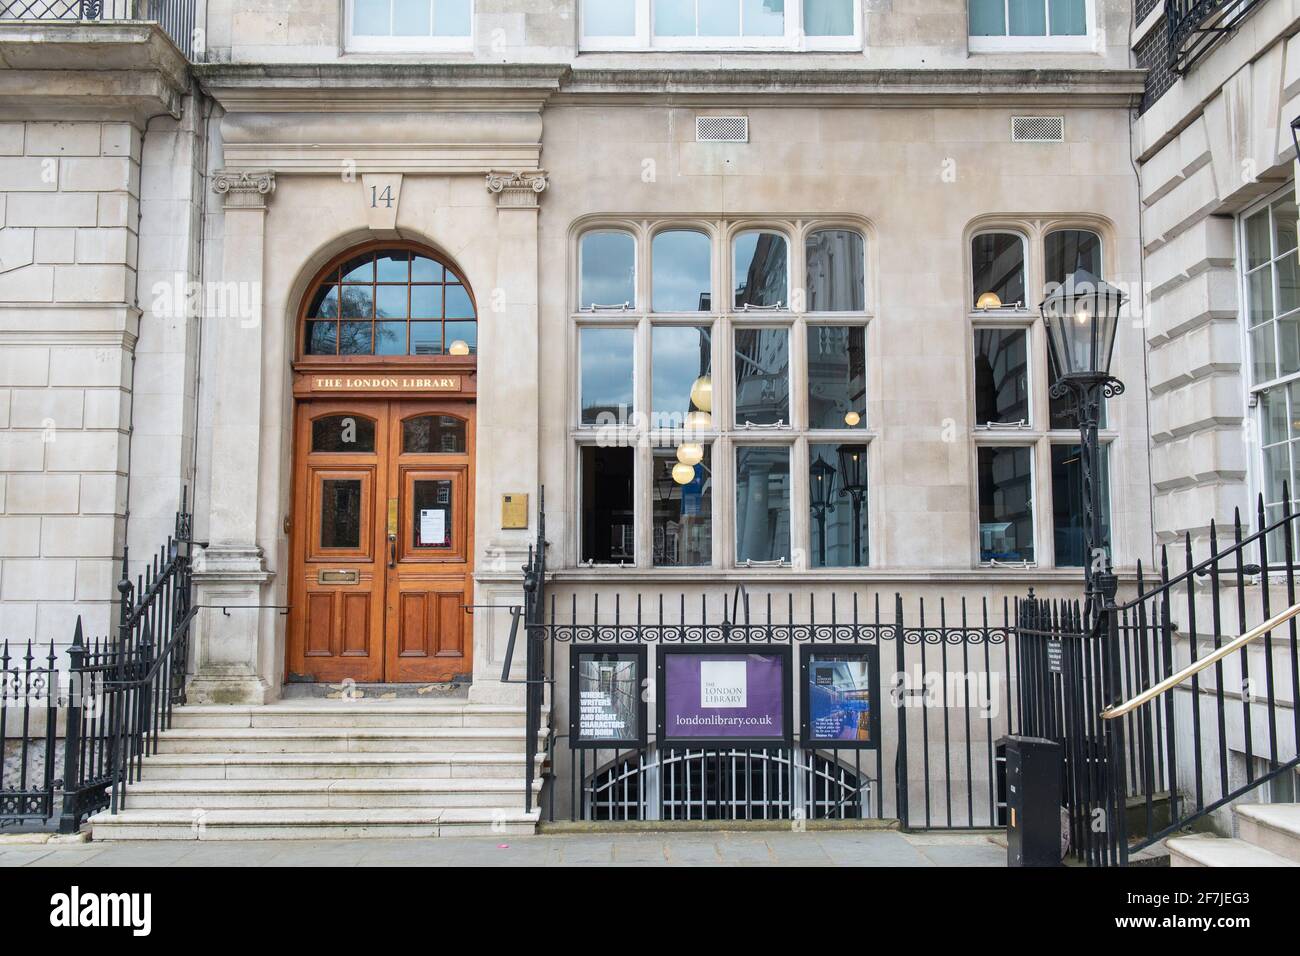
<point x="1088" y="42"/>
<point x="1040" y="436"/>
<point x="646" y="434"/>
<point x="392" y="44"/>
<point x="794" y="38"/>
<point x="1254" y="392"/>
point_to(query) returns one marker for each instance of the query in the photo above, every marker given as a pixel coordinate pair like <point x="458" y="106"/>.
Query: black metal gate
<point x="946" y="690"/>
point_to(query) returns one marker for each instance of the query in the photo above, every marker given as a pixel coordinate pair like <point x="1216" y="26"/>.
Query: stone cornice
<point x="342" y="87"/>
<point x="100" y="66"/>
<point x="384" y="87"/>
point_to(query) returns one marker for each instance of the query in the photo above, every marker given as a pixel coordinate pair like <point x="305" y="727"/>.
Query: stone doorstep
<point x="342" y="740"/>
<point x="1274" y="827"/>
<point x="324" y="793"/>
<point x="306" y="824"/>
<point x="371" y="765"/>
<point x="314" y="714"/>
<point x="1205" y="850"/>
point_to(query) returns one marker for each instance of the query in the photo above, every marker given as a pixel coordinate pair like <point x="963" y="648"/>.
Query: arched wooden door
<point x="382" y="539"/>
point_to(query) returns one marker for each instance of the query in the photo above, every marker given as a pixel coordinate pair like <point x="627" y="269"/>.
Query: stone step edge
<point x="1278" y="817"/>
<point x="345" y="756"/>
<point x="315" y="706"/>
<point x="377" y="785"/>
<point x="310" y="733"/>
<point x="313" y="817"/>
<point x="1201" y="850"/>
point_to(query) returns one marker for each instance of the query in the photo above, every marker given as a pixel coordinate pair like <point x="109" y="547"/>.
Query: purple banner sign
<point x="729" y="695"/>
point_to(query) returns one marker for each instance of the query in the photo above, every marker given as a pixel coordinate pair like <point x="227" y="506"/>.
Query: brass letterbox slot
<point x="349" y="576"/>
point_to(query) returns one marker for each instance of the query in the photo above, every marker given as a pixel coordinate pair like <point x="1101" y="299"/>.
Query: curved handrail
<point x="1194" y="668"/>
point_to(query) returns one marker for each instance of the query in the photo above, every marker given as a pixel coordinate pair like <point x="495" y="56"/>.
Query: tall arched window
<point x="392" y="300"/>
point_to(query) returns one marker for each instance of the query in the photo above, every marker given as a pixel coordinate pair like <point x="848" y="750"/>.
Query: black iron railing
<point x="1195" y="27"/>
<point x="536" y="689"/>
<point x="176" y="17"/>
<point x="125" y="688"/>
<point x="943" y="696"/>
<point x="74" y="736"/>
<point x="29" y="715"/>
<point x="1217" y="737"/>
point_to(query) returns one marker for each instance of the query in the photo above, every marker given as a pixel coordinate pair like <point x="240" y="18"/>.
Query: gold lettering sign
<point x="385" y="383"/>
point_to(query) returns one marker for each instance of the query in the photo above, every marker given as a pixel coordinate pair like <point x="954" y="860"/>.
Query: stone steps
<point x="309" y="769"/>
<point x="272" y="766"/>
<point x="1206" y="850"/>
<point x="358" y="793"/>
<point x="341" y="740"/>
<point x="316" y="715"/>
<point x="1267" y="835"/>
<point x="1273" y="826"/>
<point x="311" y="824"/>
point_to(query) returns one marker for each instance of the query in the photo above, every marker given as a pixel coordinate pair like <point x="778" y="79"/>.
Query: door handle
<point x="392" y="550"/>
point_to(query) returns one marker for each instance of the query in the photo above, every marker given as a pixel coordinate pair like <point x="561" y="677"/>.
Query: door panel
<point x="382" y="539"/>
<point x="336" y="627"/>
<point x="431" y="585"/>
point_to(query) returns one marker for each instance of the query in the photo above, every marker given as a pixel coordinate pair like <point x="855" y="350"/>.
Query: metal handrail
<point x="1194" y="668"/>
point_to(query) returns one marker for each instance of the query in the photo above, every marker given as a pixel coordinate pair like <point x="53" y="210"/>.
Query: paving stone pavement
<point x="812" y="848"/>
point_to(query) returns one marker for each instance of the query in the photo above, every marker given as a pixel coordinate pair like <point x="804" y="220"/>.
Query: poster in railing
<point x="839" y="704"/>
<point x="607" y="697"/>
<point x="733" y="696"/>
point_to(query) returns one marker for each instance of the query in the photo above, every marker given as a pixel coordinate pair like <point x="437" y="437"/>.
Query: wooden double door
<point x="382" y="537"/>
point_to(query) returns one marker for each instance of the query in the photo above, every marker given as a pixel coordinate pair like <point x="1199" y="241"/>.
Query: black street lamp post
<point x="853" y="485"/>
<point x="1082" y="316"/>
<point x="823" y="487"/>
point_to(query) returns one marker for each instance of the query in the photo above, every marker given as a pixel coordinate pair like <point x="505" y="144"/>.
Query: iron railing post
<point x="900" y="760"/>
<point x="70" y="819"/>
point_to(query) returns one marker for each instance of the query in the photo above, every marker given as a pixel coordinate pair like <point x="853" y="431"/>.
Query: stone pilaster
<point x="231" y="573"/>
<point x="508" y="425"/>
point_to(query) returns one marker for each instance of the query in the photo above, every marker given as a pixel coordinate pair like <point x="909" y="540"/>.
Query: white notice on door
<point x="433" y="527"/>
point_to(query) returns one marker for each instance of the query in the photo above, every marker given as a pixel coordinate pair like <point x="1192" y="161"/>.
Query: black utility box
<point x="1033" y="801"/>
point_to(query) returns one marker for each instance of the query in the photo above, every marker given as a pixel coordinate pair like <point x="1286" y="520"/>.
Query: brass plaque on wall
<point x="514" y="512"/>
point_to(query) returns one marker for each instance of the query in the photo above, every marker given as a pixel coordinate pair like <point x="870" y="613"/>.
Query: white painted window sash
<point x="794" y="38"/>
<point x="352" y="43"/>
<point x="1090" y="41"/>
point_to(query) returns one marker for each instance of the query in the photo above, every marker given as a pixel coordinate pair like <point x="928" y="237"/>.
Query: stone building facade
<point x="797" y="227"/>
<point x="231" y="182"/>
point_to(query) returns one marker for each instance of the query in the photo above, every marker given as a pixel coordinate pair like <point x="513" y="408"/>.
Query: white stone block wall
<point x="1213" y="144"/>
<point x="173" y="165"/>
<point x="69" y="201"/>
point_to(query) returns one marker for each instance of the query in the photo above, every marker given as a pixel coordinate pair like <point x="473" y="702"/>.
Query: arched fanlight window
<point x="390" y="301"/>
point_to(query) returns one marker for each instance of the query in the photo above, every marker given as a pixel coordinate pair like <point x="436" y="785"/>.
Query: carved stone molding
<point x="244" y="188"/>
<point x="519" y="188"/>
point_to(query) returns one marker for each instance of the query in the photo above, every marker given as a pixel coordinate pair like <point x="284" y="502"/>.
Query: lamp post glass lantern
<point x="1082" y="318"/>
<point x="853" y="485"/>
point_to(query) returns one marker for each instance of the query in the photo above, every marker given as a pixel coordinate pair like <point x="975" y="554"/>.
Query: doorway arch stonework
<point x="272" y="195"/>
